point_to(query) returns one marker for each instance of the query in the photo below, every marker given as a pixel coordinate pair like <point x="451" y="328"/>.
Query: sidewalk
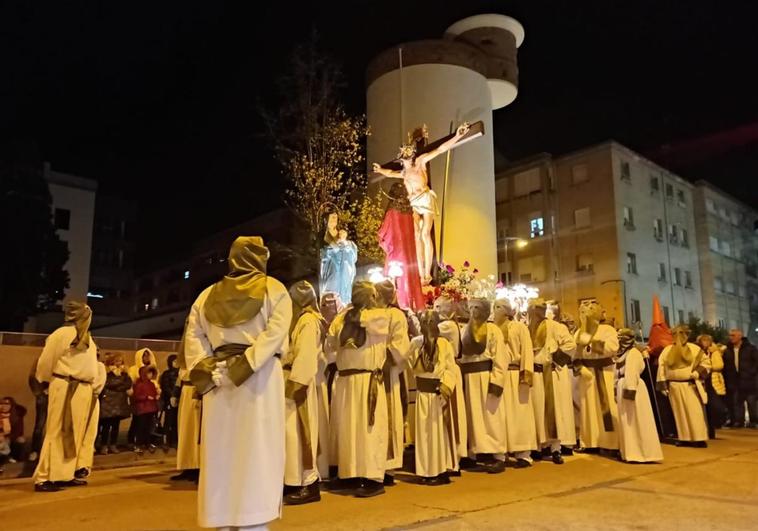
<point x="21" y="472"/>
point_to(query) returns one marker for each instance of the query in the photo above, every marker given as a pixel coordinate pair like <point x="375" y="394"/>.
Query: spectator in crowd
<point x="145" y="399"/>
<point x="714" y="384"/>
<point x="740" y="374"/>
<point x="114" y="403"/>
<point x="142" y="358"/>
<point x="12" y="442"/>
<point x="39" y="390"/>
<point x="167" y="384"/>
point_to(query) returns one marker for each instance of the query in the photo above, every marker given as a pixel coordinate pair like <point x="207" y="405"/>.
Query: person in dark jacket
<point x="145" y="399"/>
<point x="114" y="403"/>
<point x="39" y="390"/>
<point x="168" y="383"/>
<point x="741" y="376"/>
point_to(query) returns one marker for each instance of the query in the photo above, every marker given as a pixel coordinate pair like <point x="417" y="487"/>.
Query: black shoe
<point x="536" y="456"/>
<point x="567" y="450"/>
<point x="71" y="483"/>
<point x="343" y="484"/>
<point x="494" y="467"/>
<point x="81" y="473"/>
<point x="184" y="475"/>
<point x="389" y="480"/>
<point x="369" y="489"/>
<point x="46" y="486"/>
<point x="699" y="444"/>
<point x="436" y="481"/>
<point x="454" y="473"/>
<point x="557" y="458"/>
<point x="521" y="463"/>
<point x="308" y="494"/>
<point x="333" y="472"/>
<point x="467" y="463"/>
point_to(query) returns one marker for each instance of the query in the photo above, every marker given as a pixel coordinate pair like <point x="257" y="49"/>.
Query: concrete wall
<point x="17" y="360"/>
<point x="436" y="95"/>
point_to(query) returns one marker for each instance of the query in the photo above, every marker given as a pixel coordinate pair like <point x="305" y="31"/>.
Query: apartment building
<point x="603" y="223"/>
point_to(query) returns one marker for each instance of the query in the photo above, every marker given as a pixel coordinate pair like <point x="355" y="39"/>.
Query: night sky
<point x="158" y="100"/>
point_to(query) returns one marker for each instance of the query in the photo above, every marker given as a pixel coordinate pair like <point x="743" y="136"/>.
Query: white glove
<point x="219" y="374"/>
<point x="173" y="401"/>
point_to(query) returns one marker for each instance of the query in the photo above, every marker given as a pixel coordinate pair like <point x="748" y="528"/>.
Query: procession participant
<point x="69" y="363"/>
<point x="554" y="347"/>
<point x="597" y="344"/>
<point x="483" y="363"/>
<point x="451" y="330"/>
<point x="360" y="338"/>
<point x="300" y="365"/>
<point x="394" y="369"/>
<point x="682" y="369"/>
<point x="517" y="399"/>
<point x="189" y="406"/>
<point x="638" y="436"/>
<point x="432" y="362"/>
<point x="236" y="332"/>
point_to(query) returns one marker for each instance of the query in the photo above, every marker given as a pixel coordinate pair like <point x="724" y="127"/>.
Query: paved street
<point x="716" y="488"/>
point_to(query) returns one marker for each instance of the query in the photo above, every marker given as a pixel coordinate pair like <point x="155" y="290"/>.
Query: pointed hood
<point x="660" y="334"/>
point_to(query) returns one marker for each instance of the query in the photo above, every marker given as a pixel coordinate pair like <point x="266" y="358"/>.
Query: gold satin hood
<point x="238" y="297"/>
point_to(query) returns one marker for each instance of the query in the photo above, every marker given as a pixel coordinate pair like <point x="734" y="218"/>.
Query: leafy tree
<point x="699" y="327"/>
<point x="321" y="149"/>
<point x="32" y="277"/>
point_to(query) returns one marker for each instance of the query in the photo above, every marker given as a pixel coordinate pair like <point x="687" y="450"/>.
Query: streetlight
<point x="520" y="244"/>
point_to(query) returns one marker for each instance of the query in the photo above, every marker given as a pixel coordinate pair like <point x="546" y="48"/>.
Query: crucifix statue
<point x="411" y="166"/>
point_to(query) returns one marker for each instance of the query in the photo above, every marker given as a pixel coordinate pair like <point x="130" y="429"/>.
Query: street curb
<point x="163" y="460"/>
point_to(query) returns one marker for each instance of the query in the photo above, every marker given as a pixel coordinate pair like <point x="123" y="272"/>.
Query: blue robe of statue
<point x="338" y="269"/>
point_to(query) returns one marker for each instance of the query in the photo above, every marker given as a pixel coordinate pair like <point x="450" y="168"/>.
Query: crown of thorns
<point x="407" y="151"/>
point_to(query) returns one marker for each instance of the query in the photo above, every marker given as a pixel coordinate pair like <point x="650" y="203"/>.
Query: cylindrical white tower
<point x="462" y="77"/>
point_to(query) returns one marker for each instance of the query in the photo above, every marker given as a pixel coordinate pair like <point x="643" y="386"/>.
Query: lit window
<point x="713" y="242"/>
<point x="186" y="275"/>
<point x="536" y="227"/>
<point x="655" y="185"/>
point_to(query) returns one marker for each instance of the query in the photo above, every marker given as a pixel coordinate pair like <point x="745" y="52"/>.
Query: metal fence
<point x="23" y="339"/>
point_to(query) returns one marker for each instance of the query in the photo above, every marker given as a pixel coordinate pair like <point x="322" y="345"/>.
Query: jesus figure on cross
<point x="423" y="200"/>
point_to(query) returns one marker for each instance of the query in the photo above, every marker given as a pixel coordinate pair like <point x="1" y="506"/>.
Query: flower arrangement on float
<point x="461" y="284"/>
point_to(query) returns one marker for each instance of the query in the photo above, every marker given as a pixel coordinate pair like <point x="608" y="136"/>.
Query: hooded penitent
<point x="680" y="355"/>
<point x="430" y="321"/>
<point x="626" y="339"/>
<point x="303" y="301"/>
<point x="475" y="336"/>
<point x="386" y="294"/>
<point x="445" y="307"/>
<point x="364" y="298"/>
<point x="239" y="296"/>
<point x="78" y="315"/>
<point x="537" y="317"/>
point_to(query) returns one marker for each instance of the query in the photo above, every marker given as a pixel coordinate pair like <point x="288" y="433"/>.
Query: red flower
<point x="450" y="269"/>
<point x="466" y="263"/>
<point x="476" y="271"/>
